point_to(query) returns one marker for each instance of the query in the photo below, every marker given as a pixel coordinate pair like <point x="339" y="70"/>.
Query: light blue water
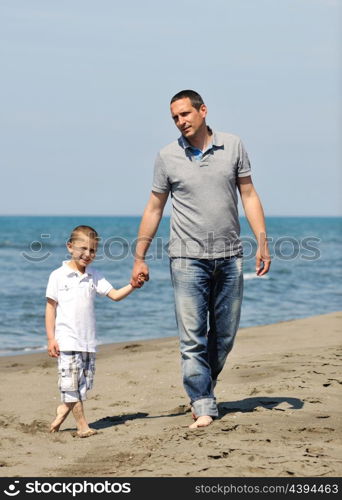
<point x="305" y="277"/>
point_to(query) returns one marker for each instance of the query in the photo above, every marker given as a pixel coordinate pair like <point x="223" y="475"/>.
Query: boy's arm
<point x="50" y="319"/>
<point x="123" y="292"/>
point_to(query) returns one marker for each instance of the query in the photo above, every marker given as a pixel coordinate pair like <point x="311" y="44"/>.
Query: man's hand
<point x="53" y="348"/>
<point x="262" y="261"/>
<point x="140" y="274"/>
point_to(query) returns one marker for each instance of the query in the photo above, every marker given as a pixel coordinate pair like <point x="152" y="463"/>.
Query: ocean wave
<point x="252" y="276"/>
<point x="31" y="245"/>
<point x="21" y="350"/>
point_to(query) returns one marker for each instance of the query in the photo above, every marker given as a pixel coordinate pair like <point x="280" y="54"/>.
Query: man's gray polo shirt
<point x="205" y="221"/>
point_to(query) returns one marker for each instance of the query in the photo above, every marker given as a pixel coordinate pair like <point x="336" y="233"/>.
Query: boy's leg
<point x="63" y="411"/>
<point x="85" y="383"/>
<point x="76" y="373"/>
<point x="83" y="429"/>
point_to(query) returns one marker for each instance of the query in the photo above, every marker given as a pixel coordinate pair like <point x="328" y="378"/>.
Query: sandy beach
<point x="279" y="399"/>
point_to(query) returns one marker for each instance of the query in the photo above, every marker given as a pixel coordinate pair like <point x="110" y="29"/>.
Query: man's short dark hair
<point x="195" y="99"/>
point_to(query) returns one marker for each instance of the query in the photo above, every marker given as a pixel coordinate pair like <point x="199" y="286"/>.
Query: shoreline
<point x="42" y="351"/>
<point x="279" y="403"/>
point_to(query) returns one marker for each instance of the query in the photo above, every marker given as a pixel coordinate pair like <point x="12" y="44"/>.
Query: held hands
<point x="53" y="348"/>
<point x="139" y="281"/>
<point x="140" y="274"/>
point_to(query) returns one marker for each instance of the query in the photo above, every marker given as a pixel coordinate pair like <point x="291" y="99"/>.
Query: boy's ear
<point x="69" y="246"/>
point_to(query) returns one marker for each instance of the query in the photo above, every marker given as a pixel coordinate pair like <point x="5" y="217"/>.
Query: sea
<point x="305" y="277"/>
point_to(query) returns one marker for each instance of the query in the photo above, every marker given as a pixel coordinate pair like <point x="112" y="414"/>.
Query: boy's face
<point x="82" y="250"/>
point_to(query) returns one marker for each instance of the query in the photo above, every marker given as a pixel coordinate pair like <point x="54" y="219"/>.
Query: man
<point x="203" y="170"/>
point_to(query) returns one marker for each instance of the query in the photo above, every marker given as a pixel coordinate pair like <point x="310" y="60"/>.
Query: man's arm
<point x="148" y="228"/>
<point x="50" y="320"/>
<point x="255" y="216"/>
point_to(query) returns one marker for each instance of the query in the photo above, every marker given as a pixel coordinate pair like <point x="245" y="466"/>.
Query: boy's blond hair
<point x="86" y="230"/>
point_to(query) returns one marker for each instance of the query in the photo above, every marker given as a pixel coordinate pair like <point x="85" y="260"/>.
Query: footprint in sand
<point x="181" y="409"/>
<point x="132" y="347"/>
<point x="315" y="429"/>
<point x="34" y="427"/>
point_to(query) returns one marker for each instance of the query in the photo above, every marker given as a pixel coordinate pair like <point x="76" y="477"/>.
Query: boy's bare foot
<point x="62" y="412"/>
<point x="87" y="433"/>
<point x="202" y="421"/>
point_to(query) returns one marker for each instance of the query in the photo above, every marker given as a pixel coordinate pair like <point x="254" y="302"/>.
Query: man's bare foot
<point x="87" y="433"/>
<point x="203" y="421"/>
<point x="62" y="412"/>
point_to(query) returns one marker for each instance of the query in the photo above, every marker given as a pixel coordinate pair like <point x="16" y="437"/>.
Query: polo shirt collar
<point x="215" y="142"/>
<point x="70" y="272"/>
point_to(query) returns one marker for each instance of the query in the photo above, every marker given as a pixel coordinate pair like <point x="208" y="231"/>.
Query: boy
<point x="70" y="323"/>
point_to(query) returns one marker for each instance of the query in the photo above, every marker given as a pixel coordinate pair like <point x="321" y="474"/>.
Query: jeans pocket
<point x="182" y="265"/>
<point x="176" y="262"/>
<point x="234" y="257"/>
<point x="68" y="379"/>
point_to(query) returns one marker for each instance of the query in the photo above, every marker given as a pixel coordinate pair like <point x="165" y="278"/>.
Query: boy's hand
<point x="53" y="348"/>
<point x="140" y="269"/>
<point x="140" y="281"/>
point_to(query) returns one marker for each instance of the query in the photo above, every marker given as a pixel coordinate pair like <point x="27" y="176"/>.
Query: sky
<point x="86" y="86"/>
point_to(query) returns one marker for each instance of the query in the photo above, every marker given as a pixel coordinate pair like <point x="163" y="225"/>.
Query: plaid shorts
<point x="75" y="375"/>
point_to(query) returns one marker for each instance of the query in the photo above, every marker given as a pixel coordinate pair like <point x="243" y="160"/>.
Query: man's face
<point x="188" y="119"/>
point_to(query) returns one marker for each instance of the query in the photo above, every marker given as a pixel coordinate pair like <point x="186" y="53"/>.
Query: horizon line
<point x="164" y="215"/>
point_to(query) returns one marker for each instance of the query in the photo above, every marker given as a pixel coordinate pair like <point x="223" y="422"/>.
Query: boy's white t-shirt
<point x="75" y="327"/>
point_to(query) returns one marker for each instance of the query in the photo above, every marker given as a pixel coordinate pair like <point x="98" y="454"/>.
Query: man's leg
<point x="224" y="311"/>
<point x="191" y="281"/>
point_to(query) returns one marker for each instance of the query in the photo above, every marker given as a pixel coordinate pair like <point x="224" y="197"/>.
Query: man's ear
<point x="203" y="110"/>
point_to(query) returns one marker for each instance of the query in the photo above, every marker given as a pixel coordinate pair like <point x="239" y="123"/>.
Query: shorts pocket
<point x="68" y="379"/>
<point x="89" y="373"/>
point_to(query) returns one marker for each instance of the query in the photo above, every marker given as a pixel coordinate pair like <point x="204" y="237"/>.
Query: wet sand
<point x="279" y="398"/>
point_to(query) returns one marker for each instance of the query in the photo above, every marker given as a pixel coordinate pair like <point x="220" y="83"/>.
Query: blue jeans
<point x="208" y="296"/>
